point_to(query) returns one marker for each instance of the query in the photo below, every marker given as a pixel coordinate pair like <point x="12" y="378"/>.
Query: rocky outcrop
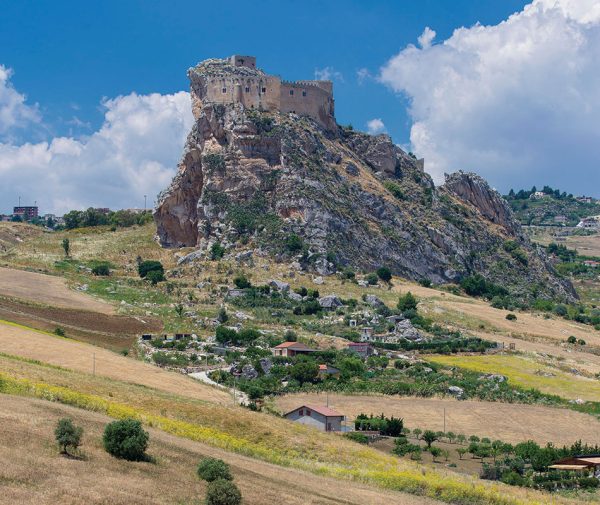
<point x="322" y="199"/>
<point x="475" y="190"/>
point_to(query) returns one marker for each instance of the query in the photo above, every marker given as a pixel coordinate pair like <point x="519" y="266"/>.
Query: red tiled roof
<point x="322" y="367"/>
<point x="297" y="345"/>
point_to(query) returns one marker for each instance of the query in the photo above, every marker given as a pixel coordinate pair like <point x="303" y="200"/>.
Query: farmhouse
<point x="322" y="418"/>
<point x="328" y="371"/>
<point x="363" y="349"/>
<point x="289" y="349"/>
<point x="590" y="462"/>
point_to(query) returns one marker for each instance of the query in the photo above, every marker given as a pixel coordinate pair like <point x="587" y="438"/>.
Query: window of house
<point x="308" y="412"/>
<point x="264" y="90"/>
<point x="304" y="93"/>
<point x="247" y="89"/>
<point x="224" y="90"/>
<point x="291" y="91"/>
<point x="301" y="412"/>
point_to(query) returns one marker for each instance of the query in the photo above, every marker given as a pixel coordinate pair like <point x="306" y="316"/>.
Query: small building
<point x="328" y="371"/>
<point x="290" y="349"/>
<point x="363" y="349"/>
<point x="589" y="462"/>
<point x="537" y="195"/>
<point x="592" y="263"/>
<point x="366" y="334"/>
<point x="321" y="418"/>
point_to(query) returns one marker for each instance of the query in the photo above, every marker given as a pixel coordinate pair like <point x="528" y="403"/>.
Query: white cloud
<point x="14" y="112"/>
<point x="375" y="126"/>
<point x="134" y="153"/>
<point x="517" y="102"/>
<point x="328" y="74"/>
<point x="362" y="74"/>
<point x="426" y="38"/>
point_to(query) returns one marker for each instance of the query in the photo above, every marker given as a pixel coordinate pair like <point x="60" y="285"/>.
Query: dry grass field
<point x="585" y="245"/>
<point x="48" y="290"/>
<point x="505" y="421"/>
<point x="64" y="352"/>
<point x="34" y="473"/>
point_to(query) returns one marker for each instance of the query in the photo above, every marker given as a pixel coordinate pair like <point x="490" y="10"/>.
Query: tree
<point x="460" y="438"/>
<point x="101" y="269"/>
<point x="242" y="282"/>
<point x="451" y="436"/>
<point x="384" y="273"/>
<point x="435" y="452"/>
<point x="211" y="469"/>
<point x="223" y="492"/>
<point x="474" y="438"/>
<point x="429" y="437"/>
<point x="407" y="302"/>
<point x="371" y="279"/>
<point x="179" y="308"/>
<point x="66" y="245"/>
<point x="417" y="433"/>
<point x="222" y="316"/>
<point x="461" y="452"/>
<point x="304" y="371"/>
<point x="126" y="439"/>
<point x="216" y="251"/>
<point x="67" y="435"/>
<point x="155" y="276"/>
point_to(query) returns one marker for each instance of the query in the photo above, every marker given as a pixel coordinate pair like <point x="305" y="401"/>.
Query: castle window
<point x="291" y="91"/>
<point x="264" y="90"/>
<point x="224" y="90"/>
<point x="304" y="93"/>
<point x="247" y="89"/>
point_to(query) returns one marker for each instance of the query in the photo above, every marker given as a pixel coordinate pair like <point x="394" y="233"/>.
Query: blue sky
<point x="72" y="62"/>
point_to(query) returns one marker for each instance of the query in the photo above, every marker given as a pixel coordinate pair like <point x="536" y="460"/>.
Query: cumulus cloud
<point x="134" y="153"/>
<point x="517" y="102"/>
<point x="426" y="38"/>
<point x="375" y="126"/>
<point x="14" y="112"/>
<point x="328" y="74"/>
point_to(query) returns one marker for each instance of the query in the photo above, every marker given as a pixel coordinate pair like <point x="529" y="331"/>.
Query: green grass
<point x="527" y="373"/>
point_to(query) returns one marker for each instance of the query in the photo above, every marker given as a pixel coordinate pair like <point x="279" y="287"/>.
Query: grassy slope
<point x="34" y="473"/>
<point x="528" y="373"/>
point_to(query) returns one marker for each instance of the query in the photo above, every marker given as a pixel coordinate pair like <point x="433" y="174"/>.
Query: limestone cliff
<point x="331" y="198"/>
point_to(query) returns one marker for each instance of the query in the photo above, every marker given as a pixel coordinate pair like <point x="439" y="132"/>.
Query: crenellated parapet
<point x="238" y="80"/>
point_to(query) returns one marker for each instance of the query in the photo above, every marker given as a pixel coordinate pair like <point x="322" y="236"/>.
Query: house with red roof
<point x="290" y="349"/>
<point x="321" y="418"/>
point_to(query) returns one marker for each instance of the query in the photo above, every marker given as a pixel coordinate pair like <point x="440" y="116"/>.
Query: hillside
<point x="321" y="200"/>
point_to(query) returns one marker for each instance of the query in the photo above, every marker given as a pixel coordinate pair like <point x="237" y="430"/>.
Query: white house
<point x="321" y="418"/>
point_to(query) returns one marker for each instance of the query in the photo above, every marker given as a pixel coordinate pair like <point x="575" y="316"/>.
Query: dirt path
<point x="48" y="290"/>
<point x="87" y="358"/>
<point x="505" y="421"/>
<point x="34" y="473"/>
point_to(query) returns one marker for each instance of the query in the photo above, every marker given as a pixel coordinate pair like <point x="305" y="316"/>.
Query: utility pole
<point x="94" y="364"/>
<point x="444" y="419"/>
<point x="234" y="379"/>
<point x="145" y="202"/>
<point x="19" y="201"/>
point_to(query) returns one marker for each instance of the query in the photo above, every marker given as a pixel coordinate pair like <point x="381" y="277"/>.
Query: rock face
<point x="328" y="198"/>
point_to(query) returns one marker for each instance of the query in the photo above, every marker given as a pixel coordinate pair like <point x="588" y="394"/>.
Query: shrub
<point x="293" y="243"/>
<point x="435" y="452"/>
<point x="407" y="302"/>
<point x="426" y="283"/>
<point x="384" y="273"/>
<point x="511" y="317"/>
<point x="581" y="341"/>
<point x="429" y="437"/>
<point x="101" y="269"/>
<point x="216" y="251"/>
<point x="371" y="279"/>
<point x="242" y="282"/>
<point x="67" y="435"/>
<point x="211" y="469"/>
<point x="223" y="492"/>
<point x="59" y="331"/>
<point x="155" y="276"/>
<point x="126" y="439"/>
<point x="357" y="437"/>
<point x="572" y="340"/>
<point x="145" y="267"/>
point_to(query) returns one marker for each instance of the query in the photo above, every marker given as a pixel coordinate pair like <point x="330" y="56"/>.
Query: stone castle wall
<point x="255" y="89"/>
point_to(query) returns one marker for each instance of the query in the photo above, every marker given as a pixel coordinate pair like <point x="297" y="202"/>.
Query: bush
<point x="59" y="331"/>
<point x="426" y="283"/>
<point x="293" y="243"/>
<point x="572" y="340"/>
<point x="155" y="276"/>
<point x="407" y="302"/>
<point x="511" y="317"/>
<point x="242" y="282"/>
<point x="216" y="251"/>
<point x="126" y="439"/>
<point x="357" y="437"/>
<point x="67" y="435"/>
<point x="145" y="267"/>
<point x="384" y="273"/>
<point x="223" y="492"/>
<point x="211" y="469"/>
<point x="101" y="269"/>
<point x="372" y="279"/>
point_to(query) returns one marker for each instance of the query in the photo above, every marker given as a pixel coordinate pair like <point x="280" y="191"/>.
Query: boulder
<point x="330" y="302"/>
<point x="456" y="391"/>
<point x="249" y="372"/>
<point x="374" y="301"/>
<point x="284" y="287"/>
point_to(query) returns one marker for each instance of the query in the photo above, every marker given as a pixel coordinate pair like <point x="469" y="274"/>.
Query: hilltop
<point x="323" y="199"/>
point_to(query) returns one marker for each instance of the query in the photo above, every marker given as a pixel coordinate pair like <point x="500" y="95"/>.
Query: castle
<point x="237" y="80"/>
